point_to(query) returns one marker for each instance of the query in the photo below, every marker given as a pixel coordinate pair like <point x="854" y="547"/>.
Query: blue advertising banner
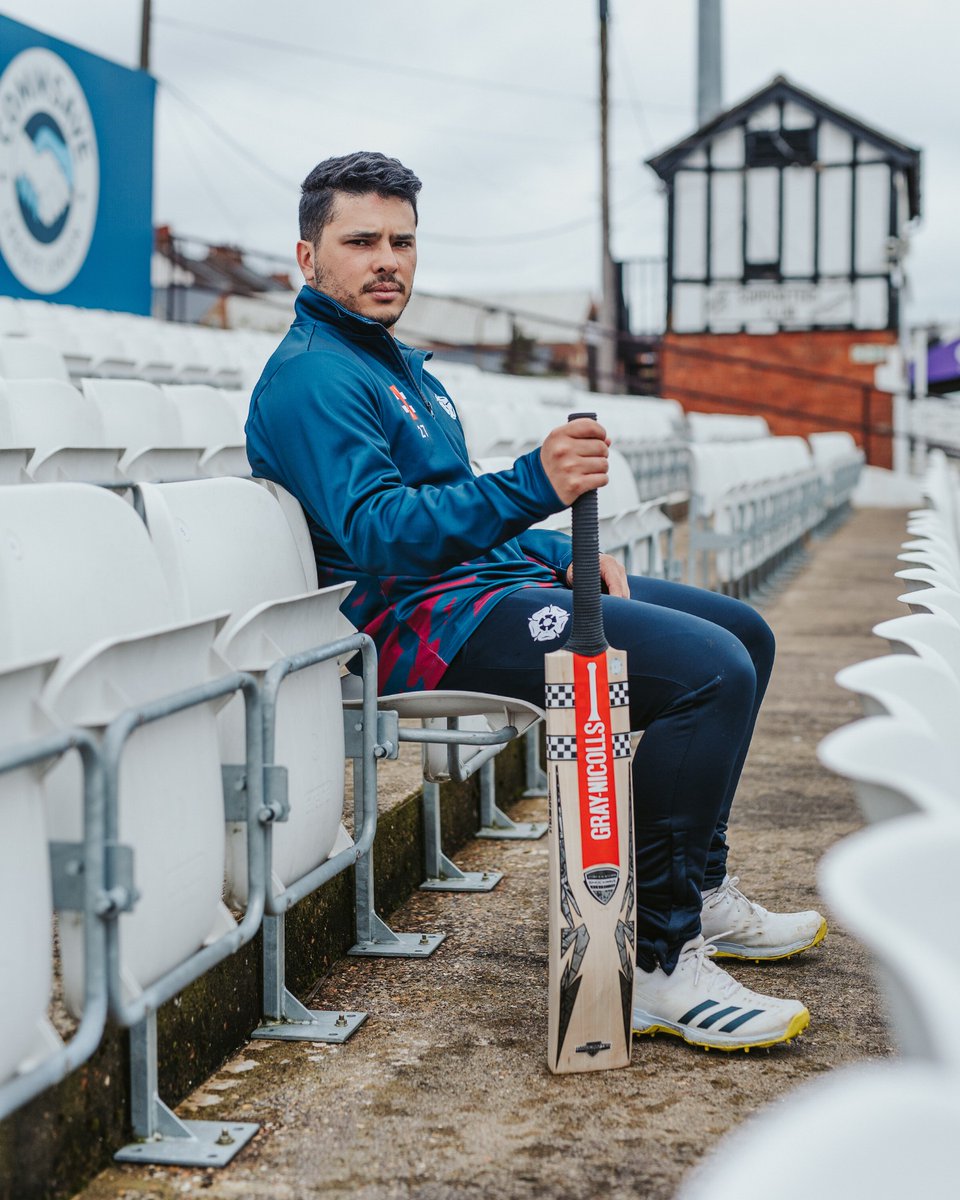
<point x="76" y="174"/>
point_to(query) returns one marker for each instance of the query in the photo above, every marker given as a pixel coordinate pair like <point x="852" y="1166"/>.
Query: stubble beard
<point x="352" y="302"/>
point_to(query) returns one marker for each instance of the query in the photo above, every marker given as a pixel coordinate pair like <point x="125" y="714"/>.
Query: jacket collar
<point x="318" y="306"/>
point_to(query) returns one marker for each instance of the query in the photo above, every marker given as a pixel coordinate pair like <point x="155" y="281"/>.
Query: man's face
<point x="366" y="256"/>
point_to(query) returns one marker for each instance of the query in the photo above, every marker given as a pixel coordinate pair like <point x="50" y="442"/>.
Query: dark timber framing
<point x="900" y="159"/>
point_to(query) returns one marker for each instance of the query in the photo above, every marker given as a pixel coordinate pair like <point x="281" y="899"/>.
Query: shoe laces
<point x="728" y="890"/>
<point x="701" y="952"/>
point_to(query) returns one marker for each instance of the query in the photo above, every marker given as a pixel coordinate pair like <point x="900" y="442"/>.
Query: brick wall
<point x="801" y="382"/>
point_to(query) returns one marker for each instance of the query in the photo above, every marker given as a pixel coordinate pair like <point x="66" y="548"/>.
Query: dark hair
<point x="358" y="174"/>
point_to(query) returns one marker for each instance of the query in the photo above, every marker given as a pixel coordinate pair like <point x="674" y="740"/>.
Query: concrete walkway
<point x="445" y="1091"/>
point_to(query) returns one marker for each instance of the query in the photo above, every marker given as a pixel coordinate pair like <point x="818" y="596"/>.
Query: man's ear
<point x="306" y="260"/>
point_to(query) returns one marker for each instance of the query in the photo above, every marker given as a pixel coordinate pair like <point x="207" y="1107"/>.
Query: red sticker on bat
<point x="599" y="836"/>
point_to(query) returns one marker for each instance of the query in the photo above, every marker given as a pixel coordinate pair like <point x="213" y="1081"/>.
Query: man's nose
<point x="386" y="258"/>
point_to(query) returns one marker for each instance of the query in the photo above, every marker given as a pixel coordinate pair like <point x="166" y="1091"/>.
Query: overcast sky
<point x="493" y="104"/>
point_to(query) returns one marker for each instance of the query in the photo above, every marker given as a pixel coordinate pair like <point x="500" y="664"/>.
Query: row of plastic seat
<point x="892" y="886"/>
<point x="191" y="662"/>
<point x="753" y="504"/>
<point x="114" y="431"/>
<point x="635" y="531"/>
<point x="121" y="345"/>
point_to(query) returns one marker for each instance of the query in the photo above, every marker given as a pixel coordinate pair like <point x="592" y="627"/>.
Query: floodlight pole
<point x="145" y="35"/>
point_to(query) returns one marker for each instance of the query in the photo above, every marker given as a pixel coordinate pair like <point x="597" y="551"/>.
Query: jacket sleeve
<point x="333" y="455"/>
<point x="549" y="547"/>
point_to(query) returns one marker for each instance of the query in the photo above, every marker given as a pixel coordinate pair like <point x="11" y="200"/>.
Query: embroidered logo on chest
<point x="447" y="407"/>
<point x="404" y="402"/>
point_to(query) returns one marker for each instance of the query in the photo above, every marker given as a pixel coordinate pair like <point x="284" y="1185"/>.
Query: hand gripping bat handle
<point x="587" y="636"/>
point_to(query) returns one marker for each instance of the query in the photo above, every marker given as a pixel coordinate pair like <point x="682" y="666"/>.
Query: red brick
<point x="801" y="382"/>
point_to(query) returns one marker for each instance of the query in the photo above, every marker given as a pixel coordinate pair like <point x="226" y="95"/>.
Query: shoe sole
<point x="695" y="1037"/>
<point x="750" y="954"/>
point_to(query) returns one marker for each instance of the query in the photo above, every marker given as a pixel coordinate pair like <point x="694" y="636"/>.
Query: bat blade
<point x="592" y="899"/>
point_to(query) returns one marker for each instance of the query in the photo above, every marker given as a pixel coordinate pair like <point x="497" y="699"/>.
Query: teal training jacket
<point x="346" y="418"/>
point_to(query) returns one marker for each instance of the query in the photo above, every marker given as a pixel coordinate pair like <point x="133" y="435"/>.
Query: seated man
<point x="458" y="591"/>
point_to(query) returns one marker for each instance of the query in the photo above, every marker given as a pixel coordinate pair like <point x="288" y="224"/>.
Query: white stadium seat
<point x="82" y="580"/>
<point x="139" y="417"/>
<point x="209" y="419"/>
<point x="31" y="358"/>
<point x="926" y="634"/>
<point x="226" y="546"/>
<point x="26" y="906"/>
<point x="63" y="428"/>
<point x="912" y="930"/>
<point x="883" y="1131"/>
<point x="920" y="691"/>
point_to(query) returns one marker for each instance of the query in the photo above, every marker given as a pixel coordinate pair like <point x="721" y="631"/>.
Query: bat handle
<point x="587" y="636"/>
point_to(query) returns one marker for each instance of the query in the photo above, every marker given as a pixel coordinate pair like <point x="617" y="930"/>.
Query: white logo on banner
<point x="49" y="171"/>
<point x="548" y="623"/>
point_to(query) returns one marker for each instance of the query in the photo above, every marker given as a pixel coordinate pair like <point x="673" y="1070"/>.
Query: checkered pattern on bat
<point x="563" y="747"/>
<point x="561" y="695"/>
<point x="621" y="745"/>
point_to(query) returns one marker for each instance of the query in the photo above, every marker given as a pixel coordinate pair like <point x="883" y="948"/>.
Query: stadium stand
<point x="193" y="766"/>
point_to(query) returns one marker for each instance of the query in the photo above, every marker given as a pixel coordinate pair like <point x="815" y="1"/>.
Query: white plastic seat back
<point x="209" y="420"/>
<point x="170" y="798"/>
<point x="31" y="358"/>
<point x="938" y="599"/>
<point x="893" y="887"/>
<point x="77" y="572"/>
<point x="138" y="417"/>
<point x="883" y="1130"/>
<point x="920" y="691"/>
<point x="297" y="522"/>
<point x="225" y="544"/>
<point x="26" y="943"/>
<point x="64" y="429"/>
<point x="832" y="446"/>
<point x="898" y="767"/>
<point x="76" y="567"/>
<point x="925" y="634"/>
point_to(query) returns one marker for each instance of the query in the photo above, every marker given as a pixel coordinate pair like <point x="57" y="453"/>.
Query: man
<point x="458" y="591"/>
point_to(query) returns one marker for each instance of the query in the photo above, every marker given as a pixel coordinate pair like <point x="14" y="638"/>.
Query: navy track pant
<point x="698" y="664"/>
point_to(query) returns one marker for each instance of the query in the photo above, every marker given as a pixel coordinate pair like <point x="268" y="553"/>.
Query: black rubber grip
<point x="587" y="636"/>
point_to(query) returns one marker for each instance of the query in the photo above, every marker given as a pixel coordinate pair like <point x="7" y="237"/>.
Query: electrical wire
<point x="285" y="87"/>
<point x="352" y="60"/>
<point x="195" y="159"/>
<point x="313" y="53"/>
<point x="229" y="140"/>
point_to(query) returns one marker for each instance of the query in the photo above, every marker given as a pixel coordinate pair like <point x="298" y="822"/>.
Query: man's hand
<point x="575" y="458"/>
<point x="612" y="574"/>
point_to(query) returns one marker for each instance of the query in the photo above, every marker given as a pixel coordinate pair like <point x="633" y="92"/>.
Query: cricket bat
<point x="592" y="892"/>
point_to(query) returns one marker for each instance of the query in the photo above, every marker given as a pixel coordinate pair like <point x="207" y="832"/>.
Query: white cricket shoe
<point x="705" y="1006"/>
<point x="741" y="928"/>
